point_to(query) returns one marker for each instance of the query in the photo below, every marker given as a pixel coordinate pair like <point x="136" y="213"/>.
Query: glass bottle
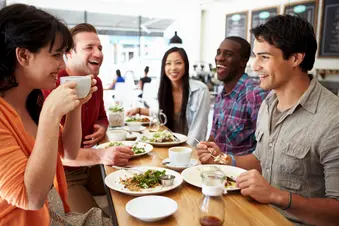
<point x="116" y="115"/>
<point x="212" y="208"/>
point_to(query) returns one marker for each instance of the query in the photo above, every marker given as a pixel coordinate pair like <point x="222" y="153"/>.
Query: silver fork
<point x="209" y="149"/>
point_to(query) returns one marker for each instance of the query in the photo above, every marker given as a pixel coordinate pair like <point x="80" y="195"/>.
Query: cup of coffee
<point x="83" y="84"/>
<point x="117" y="135"/>
<point x="180" y="156"/>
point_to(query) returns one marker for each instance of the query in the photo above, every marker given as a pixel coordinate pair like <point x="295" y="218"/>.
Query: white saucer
<point x="139" y="129"/>
<point x="193" y="162"/>
<point x="158" y="207"/>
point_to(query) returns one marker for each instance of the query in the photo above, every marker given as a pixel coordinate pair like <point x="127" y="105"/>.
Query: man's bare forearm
<point x="315" y="211"/>
<point x="248" y="162"/>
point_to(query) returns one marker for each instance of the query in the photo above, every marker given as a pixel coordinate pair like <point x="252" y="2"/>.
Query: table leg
<point x="109" y="198"/>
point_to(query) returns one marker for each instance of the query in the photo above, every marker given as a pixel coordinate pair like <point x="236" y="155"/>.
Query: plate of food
<point x="163" y="138"/>
<point x="139" y="181"/>
<point x="138" y="118"/>
<point x="139" y="148"/>
<point x="192" y="175"/>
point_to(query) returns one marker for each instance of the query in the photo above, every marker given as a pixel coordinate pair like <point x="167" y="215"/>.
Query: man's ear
<point x="243" y="62"/>
<point x="23" y="56"/>
<point x="297" y="58"/>
<point x="69" y="54"/>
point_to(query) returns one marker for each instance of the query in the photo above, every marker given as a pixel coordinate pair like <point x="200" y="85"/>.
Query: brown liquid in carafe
<point x="210" y="221"/>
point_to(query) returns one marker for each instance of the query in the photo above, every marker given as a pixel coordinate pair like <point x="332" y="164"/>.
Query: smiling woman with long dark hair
<point x="184" y="101"/>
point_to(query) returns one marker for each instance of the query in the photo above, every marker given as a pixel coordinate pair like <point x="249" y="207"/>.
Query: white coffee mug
<point x="180" y="156"/>
<point x="83" y="84"/>
<point x="117" y="135"/>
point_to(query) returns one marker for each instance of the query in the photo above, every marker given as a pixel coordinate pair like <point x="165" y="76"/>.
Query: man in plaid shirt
<point x="236" y="107"/>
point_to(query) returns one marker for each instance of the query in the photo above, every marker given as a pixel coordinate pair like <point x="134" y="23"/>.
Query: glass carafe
<point x="116" y="115"/>
<point x="157" y="120"/>
<point x="212" y="208"/>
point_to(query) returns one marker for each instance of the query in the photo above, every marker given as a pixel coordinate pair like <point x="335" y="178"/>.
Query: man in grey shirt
<point x="295" y="165"/>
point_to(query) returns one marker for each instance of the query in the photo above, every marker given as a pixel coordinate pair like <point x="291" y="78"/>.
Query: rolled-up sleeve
<point x="12" y="170"/>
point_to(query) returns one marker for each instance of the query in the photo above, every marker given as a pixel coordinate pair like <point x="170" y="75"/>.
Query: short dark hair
<point x="291" y="34"/>
<point x="146" y="69"/>
<point x="83" y="27"/>
<point x="118" y="72"/>
<point x="245" y="47"/>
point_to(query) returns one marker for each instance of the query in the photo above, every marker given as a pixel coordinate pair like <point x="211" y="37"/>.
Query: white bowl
<point x="116" y="135"/>
<point x="158" y="207"/>
<point x="134" y="125"/>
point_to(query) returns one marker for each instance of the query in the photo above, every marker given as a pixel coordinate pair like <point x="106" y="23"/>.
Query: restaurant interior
<point x="135" y="34"/>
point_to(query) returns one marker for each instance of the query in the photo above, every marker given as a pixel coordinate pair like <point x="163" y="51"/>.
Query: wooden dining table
<point x="239" y="210"/>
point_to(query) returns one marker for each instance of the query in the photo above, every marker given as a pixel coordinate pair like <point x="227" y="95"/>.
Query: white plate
<point x="192" y="175"/>
<point x="113" y="181"/>
<point x="158" y="207"/>
<point x="139" y="129"/>
<point x="182" y="139"/>
<point x="193" y="162"/>
<point x="148" y="148"/>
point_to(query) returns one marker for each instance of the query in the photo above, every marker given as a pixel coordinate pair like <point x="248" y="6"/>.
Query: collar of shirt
<point x="63" y="73"/>
<point x="236" y="90"/>
<point x="309" y="100"/>
<point x="194" y="86"/>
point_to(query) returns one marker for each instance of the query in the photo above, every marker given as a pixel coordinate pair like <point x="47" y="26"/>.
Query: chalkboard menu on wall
<point x="236" y="24"/>
<point x="260" y="16"/>
<point x="307" y="10"/>
<point x="329" y="34"/>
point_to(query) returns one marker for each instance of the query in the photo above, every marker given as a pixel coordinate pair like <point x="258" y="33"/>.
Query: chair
<point x="150" y="94"/>
<point x="108" y="97"/>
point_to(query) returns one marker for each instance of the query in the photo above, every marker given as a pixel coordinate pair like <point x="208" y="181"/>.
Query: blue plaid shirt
<point x="235" y="116"/>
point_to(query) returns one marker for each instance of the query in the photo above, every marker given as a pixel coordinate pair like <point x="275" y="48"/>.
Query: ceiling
<point x="114" y="24"/>
<point x="123" y="17"/>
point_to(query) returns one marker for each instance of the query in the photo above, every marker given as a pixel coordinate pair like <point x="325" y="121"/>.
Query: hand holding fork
<point x="208" y="149"/>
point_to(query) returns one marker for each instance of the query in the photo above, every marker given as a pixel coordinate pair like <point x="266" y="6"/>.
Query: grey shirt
<point x="301" y="153"/>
